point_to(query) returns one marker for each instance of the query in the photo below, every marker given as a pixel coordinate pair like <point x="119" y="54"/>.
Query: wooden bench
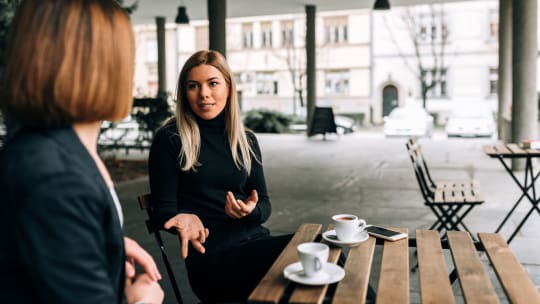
<point x="450" y="201"/>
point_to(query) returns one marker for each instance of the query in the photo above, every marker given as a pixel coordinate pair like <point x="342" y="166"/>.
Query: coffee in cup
<point x="348" y="226"/>
<point x="313" y="257"/>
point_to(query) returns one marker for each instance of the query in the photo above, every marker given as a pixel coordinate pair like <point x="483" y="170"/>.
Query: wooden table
<point x="394" y="285"/>
<point x="505" y="153"/>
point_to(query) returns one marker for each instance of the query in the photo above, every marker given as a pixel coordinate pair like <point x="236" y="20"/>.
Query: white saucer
<point x="331" y="237"/>
<point x="332" y="274"/>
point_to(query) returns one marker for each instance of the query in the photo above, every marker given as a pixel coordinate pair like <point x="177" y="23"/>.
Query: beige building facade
<point x="366" y="60"/>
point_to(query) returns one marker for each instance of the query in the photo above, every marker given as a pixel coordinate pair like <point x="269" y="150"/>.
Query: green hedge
<point x="267" y="121"/>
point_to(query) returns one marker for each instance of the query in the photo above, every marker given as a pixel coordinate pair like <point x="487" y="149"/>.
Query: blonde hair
<point x="68" y="61"/>
<point x="187" y="125"/>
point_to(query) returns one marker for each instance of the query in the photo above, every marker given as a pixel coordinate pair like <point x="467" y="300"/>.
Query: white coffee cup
<point x="348" y="226"/>
<point x="313" y="257"/>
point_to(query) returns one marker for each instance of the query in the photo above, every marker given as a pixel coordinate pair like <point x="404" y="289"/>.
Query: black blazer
<point x="62" y="241"/>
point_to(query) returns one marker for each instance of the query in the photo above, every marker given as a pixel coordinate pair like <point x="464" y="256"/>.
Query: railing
<point x="137" y="131"/>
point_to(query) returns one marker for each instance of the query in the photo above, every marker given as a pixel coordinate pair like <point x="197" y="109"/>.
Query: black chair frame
<point x="145" y="202"/>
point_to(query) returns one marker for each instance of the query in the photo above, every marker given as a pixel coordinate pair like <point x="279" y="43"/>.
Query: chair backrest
<point x="145" y="202"/>
<point x="412" y="144"/>
<point x="427" y="187"/>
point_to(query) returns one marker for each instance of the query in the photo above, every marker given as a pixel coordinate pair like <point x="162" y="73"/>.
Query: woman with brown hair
<point x="207" y="181"/>
<point x="69" y="67"/>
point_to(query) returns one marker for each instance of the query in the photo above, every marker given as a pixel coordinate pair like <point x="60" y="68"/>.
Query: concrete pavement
<point x="365" y="174"/>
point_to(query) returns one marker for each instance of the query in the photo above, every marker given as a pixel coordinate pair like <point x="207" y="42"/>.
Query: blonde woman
<point x="207" y="180"/>
<point x="69" y="67"/>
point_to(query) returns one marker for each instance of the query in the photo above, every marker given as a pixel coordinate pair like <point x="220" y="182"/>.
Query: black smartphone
<point x="385" y="233"/>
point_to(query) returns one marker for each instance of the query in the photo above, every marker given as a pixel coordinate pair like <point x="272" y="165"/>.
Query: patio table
<point x="394" y="277"/>
<point x="505" y="153"/>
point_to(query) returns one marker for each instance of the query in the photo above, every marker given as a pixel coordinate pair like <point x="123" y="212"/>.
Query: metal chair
<point x="145" y="202"/>
<point x="450" y="201"/>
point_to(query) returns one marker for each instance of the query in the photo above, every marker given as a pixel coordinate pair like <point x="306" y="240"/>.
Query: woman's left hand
<point x="136" y="254"/>
<point x="236" y="208"/>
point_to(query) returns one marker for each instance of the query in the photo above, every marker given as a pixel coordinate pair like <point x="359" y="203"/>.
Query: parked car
<point x="471" y="122"/>
<point x="344" y="124"/>
<point x="408" y="121"/>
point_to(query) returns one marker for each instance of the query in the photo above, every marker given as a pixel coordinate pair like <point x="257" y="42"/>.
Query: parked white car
<point x="471" y="121"/>
<point x="408" y="121"/>
<point x="344" y="124"/>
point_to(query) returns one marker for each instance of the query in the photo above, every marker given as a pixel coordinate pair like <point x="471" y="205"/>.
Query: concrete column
<point x="505" y="69"/>
<point x="524" y="52"/>
<point x="311" y="68"/>
<point x="162" y="72"/>
<point x="217" y="14"/>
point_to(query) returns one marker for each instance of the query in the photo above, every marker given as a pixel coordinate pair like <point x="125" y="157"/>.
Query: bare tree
<point x="295" y="60"/>
<point x="429" y="36"/>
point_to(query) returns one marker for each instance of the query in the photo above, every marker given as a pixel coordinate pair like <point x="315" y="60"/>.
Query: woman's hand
<point x="136" y="254"/>
<point x="143" y="289"/>
<point x="190" y="229"/>
<point x="237" y="208"/>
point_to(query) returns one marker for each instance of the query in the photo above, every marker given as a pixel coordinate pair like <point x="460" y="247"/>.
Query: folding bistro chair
<point x="450" y="201"/>
<point x="145" y="203"/>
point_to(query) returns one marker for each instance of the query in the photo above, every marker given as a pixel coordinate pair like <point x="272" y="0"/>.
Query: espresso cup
<point x="313" y="257"/>
<point x="348" y="226"/>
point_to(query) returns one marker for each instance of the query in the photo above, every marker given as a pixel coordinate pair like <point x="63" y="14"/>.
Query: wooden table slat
<point x="515" y="149"/>
<point x="489" y="150"/>
<point x="435" y="285"/>
<point x="502" y="149"/>
<point x="393" y="284"/>
<point x="514" y="279"/>
<point x="273" y="284"/>
<point x="353" y="288"/>
<point x="473" y="278"/>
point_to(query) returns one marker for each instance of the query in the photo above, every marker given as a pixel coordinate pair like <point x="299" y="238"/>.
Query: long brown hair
<point x="187" y="125"/>
<point x="68" y="61"/>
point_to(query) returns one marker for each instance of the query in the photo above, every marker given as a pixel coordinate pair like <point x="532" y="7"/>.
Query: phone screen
<point x="382" y="231"/>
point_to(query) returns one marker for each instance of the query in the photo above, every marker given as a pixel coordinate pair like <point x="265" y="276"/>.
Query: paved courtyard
<point x="365" y="174"/>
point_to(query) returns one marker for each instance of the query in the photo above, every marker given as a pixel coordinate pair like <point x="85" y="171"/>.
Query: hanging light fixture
<point x="381" y="5"/>
<point x="181" y="16"/>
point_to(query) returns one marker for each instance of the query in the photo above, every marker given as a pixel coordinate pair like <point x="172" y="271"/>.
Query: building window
<point x="266" y="84"/>
<point x="151" y="64"/>
<point x="423" y="32"/>
<point x="266" y="35"/>
<point x="493" y="80"/>
<point x="151" y="50"/>
<point x="336" y="30"/>
<point x="432" y="27"/>
<point x="201" y="37"/>
<point x="243" y="81"/>
<point x="247" y="35"/>
<point x="443" y="92"/>
<point x="336" y="82"/>
<point x="287" y="34"/>
<point x="441" y="87"/>
<point x="494" y="23"/>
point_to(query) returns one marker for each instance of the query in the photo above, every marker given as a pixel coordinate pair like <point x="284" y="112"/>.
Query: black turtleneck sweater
<point x="203" y="192"/>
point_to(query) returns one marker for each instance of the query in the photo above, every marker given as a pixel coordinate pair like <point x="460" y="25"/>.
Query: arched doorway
<point x="390" y="99"/>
